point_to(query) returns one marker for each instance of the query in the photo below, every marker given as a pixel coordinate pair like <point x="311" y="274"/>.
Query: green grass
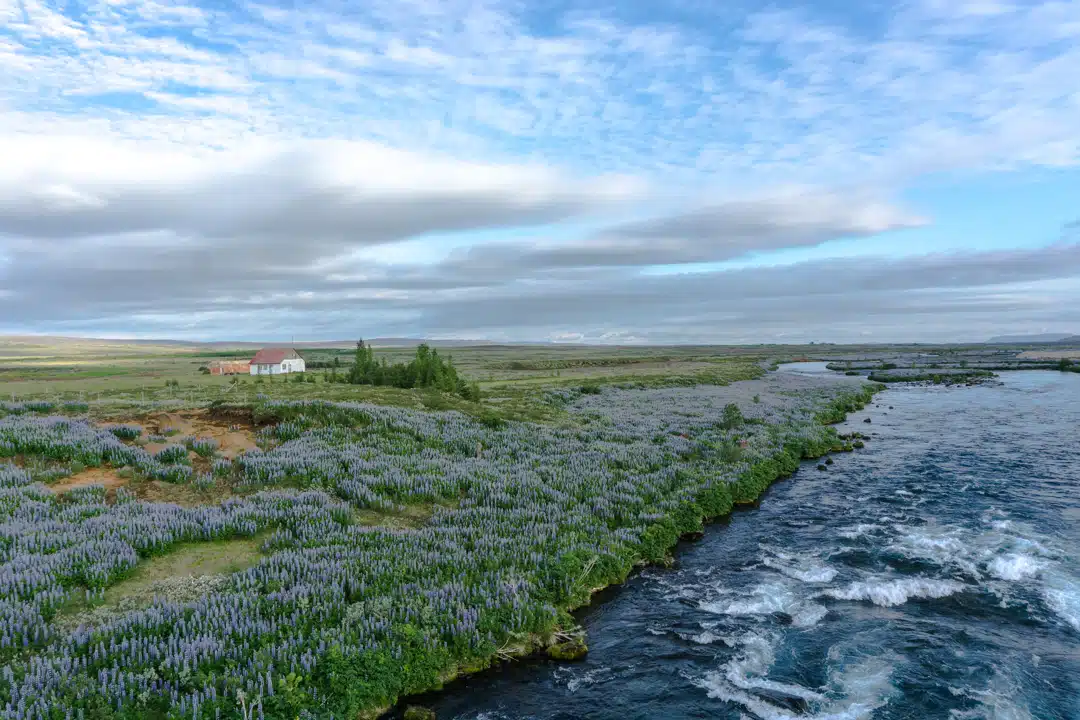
<point x="412" y="517"/>
<point x="165" y="574"/>
<point x="121" y="381"/>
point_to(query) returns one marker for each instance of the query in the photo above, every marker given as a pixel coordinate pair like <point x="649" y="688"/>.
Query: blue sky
<point x="684" y="171"/>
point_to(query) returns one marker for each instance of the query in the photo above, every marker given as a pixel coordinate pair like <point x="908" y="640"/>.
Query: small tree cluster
<point x="427" y="369"/>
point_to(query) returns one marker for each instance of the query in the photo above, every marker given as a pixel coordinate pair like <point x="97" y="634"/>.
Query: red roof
<point x="273" y="356"/>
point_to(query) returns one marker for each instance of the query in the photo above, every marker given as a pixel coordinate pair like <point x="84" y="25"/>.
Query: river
<point x="933" y="574"/>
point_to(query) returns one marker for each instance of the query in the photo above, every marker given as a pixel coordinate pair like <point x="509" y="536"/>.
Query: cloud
<point x="173" y="166"/>
<point x="892" y="90"/>
<point x="314" y="198"/>
<point x="711" y="233"/>
<point x="947" y="296"/>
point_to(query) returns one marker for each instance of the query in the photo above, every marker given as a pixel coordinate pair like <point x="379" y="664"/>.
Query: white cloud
<point x="788" y="94"/>
<point x="157" y="138"/>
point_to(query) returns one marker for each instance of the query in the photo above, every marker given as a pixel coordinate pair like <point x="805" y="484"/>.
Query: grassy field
<point x="115" y="377"/>
<point x="89" y="369"/>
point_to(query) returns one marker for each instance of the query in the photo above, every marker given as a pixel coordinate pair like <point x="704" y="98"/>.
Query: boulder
<point x="417" y="712"/>
<point x="575" y="649"/>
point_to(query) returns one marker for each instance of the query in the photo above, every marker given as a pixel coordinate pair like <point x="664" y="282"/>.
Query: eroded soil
<point x="232" y="436"/>
<point x="93" y="476"/>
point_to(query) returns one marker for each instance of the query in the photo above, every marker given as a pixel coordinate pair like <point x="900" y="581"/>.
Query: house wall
<point x="285" y="367"/>
<point x="229" y="368"/>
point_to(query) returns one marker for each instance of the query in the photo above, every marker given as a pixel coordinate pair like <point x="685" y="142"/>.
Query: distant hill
<point x="1028" y="339"/>
<point x="348" y="344"/>
<point x="60" y="341"/>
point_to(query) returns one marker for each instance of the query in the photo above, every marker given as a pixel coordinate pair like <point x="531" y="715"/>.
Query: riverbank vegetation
<point x="380" y="550"/>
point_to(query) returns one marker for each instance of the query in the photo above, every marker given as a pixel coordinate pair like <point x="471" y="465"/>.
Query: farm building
<point x="276" y="361"/>
<point x="229" y="367"/>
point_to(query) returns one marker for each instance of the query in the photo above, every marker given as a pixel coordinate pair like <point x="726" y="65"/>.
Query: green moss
<point x="570" y="650"/>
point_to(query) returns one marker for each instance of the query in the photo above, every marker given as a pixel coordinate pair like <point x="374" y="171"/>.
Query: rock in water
<point x="416" y="712"/>
<point x="575" y="649"/>
<point x="866" y="420"/>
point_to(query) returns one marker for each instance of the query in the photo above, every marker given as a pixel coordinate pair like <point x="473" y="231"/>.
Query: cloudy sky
<point x="632" y="171"/>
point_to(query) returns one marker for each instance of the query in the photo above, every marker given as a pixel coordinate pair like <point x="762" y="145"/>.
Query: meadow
<point x="175" y="545"/>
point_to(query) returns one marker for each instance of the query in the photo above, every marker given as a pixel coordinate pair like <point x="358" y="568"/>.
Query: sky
<point x="686" y="171"/>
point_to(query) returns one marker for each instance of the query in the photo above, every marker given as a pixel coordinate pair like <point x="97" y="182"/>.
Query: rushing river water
<point x="933" y="574"/>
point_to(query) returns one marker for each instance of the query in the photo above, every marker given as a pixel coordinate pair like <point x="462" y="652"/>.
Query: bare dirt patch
<point x="94" y="476"/>
<point x="232" y="435"/>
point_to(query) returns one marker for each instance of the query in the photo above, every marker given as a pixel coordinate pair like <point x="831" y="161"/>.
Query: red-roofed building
<point x="276" y="361"/>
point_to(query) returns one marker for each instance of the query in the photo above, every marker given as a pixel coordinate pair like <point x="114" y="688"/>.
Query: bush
<point x="125" y="432"/>
<point x="732" y="417"/>
<point x="172" y="454"/>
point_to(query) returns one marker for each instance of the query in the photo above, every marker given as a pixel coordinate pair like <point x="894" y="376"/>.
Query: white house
<point x="276" y="361"/>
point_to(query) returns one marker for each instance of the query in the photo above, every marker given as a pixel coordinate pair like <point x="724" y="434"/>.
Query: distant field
<point x="103" y="371"/>
<point x="115" y="373"/>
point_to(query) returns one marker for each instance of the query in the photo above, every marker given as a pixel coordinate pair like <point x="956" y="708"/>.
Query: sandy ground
<point x="101" y="475"/>
<point x="232" y="439"/>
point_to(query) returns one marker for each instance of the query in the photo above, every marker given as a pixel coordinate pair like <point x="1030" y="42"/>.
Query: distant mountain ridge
<point x="246" y="345"/>
<point x="1042" y="338"/>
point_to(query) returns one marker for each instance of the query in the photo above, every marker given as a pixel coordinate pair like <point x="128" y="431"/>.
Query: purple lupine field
<point x="340" y="616"/>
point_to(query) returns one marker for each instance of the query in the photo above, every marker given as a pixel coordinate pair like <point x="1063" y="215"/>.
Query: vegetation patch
<point x="182" y="574"/>
<point x="404" y="545"/>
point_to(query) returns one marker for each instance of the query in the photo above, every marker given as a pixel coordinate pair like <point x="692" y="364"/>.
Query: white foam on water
<point x="736" y="680"/>
<point x="997" y="701"/>
<point x="705" y="637"/>
<point x="855" y="692"/>
<point x="1003" y="550"/>
<point x="811" y="614"/>
<point x="943" y="546"/>
<point x="890" y="593"/>
<point x="1062" y="596"/>
<point x="860" y="530"/>
<point x="1015" y="566"/>
<point x="586" y="679"/>
<point x="768" y="599"/>
<point x="808" y="572"/>
<point x="860" y="688"/>
<point x="764" y="599"/>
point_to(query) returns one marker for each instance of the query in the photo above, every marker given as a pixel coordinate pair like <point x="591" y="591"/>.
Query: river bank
<point x="402" y="547"/>
<point x="934" y="574"/>
<point x="685" y="524"/>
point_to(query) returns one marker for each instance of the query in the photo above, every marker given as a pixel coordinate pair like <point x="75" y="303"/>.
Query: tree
<point x="427" y="369"/>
